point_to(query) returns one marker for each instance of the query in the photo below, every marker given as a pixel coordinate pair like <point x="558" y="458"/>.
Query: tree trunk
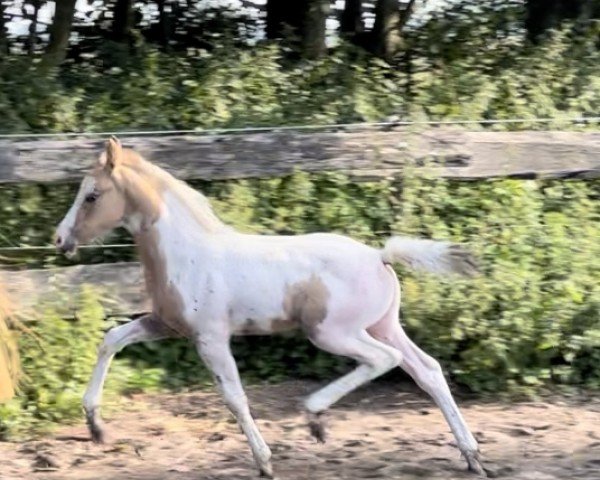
<point x="313" y="28"/>
<point x="123" y="20"/>
<point x="32" y="38"/>
<point x="541" y="16"/>
<point x="351" y="22"/>
<point x="60" y="30"/>
<point x="301" y="23"/>
<point x="278" y="15"/>
<point x="164" y="24"/>
<point x="3" y="32"/>
<point x="386" y="37"/>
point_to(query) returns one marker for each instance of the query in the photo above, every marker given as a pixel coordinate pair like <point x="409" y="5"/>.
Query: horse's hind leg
<point x="375" y="359"/>
<point x="427" y="372"/>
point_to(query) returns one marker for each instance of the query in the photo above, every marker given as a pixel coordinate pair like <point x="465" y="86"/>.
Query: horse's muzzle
<point x="66" y="246"/>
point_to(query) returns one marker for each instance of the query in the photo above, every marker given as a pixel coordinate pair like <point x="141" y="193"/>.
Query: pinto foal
<point x="209" y="282"/>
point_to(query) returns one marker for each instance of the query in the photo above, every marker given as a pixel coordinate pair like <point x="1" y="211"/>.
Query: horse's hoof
<point x="266" y="472"/>
<point x="96" y="428"/>
<point x="316" y="427"/>
<point x="474" y="464"/>
<point x="98" y="434"/>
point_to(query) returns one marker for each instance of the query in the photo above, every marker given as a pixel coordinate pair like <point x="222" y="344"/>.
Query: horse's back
<point x="310" y="245"/>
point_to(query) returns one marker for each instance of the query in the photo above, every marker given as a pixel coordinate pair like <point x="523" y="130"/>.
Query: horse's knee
<point x="89" y="403"/>
<point x="118" y="337"/>
<point x="110" y="343"/>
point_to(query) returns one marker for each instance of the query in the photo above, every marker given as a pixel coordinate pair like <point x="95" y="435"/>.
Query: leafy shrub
<point x="58" y="352"/>
<point x="456" y="68"/>
<point x="532" y="318"/>
<point x="513" y="326"/>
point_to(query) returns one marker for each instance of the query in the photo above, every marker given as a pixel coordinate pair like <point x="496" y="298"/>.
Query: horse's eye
<point x="91" y="197"/>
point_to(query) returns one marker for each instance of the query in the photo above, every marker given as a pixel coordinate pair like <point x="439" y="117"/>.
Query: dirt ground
<point x="380" y="432"/>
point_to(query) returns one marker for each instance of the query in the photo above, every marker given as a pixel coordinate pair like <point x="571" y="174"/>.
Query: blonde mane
<point x="162" y="181"/>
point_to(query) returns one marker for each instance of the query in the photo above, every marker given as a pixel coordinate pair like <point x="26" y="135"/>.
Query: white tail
<point x="429" y="256"/>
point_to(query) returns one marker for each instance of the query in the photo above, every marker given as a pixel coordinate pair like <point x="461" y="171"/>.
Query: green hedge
<point x="453" y="73"/>
<point x="532" y="319"/>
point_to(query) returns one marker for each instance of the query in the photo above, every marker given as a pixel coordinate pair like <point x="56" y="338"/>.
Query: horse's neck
<point x="153" y="263"/>
<point x="159" y="248"/>
<point x="174" y="232"/>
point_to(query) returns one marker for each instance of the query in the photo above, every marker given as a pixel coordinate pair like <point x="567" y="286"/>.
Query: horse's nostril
<point x="58" y="241"/>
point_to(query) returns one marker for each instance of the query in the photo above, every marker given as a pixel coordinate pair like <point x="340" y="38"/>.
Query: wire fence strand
<point x="52" y="247"/>
<point x="106" y="246"/>
<point x="274" y="128"/>
<point x="262" y="129"/>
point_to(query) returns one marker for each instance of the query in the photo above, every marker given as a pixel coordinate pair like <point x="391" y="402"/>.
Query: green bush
<point x="57" y="353"/>
<point x="227" y="88"/>
<point x="467" y="69"/>
<point x="531" y="320"/>
<point x="533" y="317"/>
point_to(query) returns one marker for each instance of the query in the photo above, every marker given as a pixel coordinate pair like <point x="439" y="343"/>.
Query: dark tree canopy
<point x="305" y="29"/>
<point x="543" y="15"/>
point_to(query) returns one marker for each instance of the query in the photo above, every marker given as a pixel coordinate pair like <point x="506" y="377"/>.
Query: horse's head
<point x="100" y="205"/>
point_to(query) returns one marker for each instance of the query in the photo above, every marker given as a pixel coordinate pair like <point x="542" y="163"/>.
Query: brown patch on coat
<point x="147" y="183"/>
<point x="282" y="325"/>
<point x="154" y="324"/>
<point x="168" y="304"/>
<point x="130" y="185"/>
<point x="251" y="328"/>
<point x="306" y="302"/>
<point x="142" y="190"/>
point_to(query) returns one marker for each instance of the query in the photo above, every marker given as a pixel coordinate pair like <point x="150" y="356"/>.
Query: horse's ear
<point x="111" y="158"/>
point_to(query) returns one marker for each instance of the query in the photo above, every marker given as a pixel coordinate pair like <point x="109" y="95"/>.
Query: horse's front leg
<point x="145" y="328"/>
<point x="216" y="354"/>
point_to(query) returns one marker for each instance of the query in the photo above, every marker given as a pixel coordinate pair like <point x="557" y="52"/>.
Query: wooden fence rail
<point x="451" y="153"/>
<point x="121" y="284"/>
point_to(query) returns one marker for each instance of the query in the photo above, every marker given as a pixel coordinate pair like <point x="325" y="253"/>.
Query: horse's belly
<point x="259" y="310"/>
<point x="263" y="326"/>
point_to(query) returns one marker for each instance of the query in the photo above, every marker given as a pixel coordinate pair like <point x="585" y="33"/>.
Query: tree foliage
<point x="378" y="26"/>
